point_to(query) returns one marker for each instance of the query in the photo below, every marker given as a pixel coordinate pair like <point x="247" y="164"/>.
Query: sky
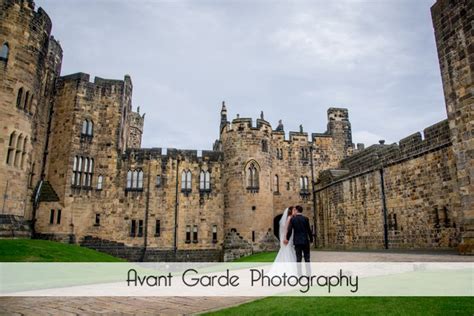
<point x="291" y="59"/>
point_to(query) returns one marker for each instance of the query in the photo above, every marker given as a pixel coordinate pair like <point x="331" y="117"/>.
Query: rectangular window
<point x="97" y="219"/>
<point x="188" y="234"/>
<point x="157" y="228"/>
<point x="253" y="236"/>
<point x="58" y="220"/>
<point x="51" y="217"/>
<point x="158" y="181"/>
<point x="195" y="234"/>
<point x="140" y="228"/>
<point x="214" y="233"/>
<point x="288" y="186"/>
<point x="133" y="228"/>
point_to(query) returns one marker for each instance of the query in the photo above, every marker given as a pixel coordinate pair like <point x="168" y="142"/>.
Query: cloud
<point x="293" y="60"/>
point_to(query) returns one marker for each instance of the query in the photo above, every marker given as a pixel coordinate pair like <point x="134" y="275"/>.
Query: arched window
<point x="204" y="181"/>
<point x="252" y="176"/>
<point x="74" y="171"/>
<point x="90" y="128"/>
<point x="11" y="149"/>
<point x="84" y="127"/>
<point x="304" y="183"/>
<point x="23" y="153"/>
<point x="19" y="145"/>
<point x="100" y="180"/>
<point x="87" y="128"/>
<point x="19" y="97"/>
<point x="276" y="184"/>
<point x="129" y="179"/>
<point x="135" y="179"/>
<point x="30" y="105"/>
<point x="186" y="181"/>
<point x="85" y="178"/>
<point x="140" y="180"/>
<point x="27" y="98"/>
<point x="90" y="173"/>
<point x="4" y="52"/>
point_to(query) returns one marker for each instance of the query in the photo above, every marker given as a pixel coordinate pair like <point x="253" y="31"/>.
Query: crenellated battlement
<point x="140" y="154"/>
<point x="378" y="155"/>
<point x="100" y="87"/>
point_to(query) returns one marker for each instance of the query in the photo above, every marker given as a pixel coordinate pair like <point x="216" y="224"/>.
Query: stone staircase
<point x="14" y="226"/>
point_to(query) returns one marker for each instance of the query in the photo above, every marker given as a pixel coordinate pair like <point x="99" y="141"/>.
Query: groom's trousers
<point x="303" y="250"/>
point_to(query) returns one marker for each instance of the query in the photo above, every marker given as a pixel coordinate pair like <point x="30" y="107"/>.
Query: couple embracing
<point x="295" y="237"/>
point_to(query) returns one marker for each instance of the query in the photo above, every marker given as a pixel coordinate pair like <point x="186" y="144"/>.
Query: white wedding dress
<point x="285" y="260"/>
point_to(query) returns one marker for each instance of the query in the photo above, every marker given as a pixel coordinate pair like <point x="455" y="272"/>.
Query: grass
<point x="348" y="305"/>
<point x="354" y="306"/>
<point x="34" y="250"/>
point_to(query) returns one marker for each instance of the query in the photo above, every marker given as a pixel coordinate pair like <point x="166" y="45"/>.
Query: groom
<point x="299" y="224"/>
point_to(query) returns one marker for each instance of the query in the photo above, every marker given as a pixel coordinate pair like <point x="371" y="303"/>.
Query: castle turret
<point x="135" y="129"/>
<point x="25" y="56"/>
<point x="223" y="116"/>
<point x="339" y="128"/>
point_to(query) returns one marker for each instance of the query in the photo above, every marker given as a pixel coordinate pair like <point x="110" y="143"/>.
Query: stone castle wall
<point x="454" y="33"/>
<point x="32" y="63"/>
<point x="415" y="182"/>
<point x="419" y="190"/>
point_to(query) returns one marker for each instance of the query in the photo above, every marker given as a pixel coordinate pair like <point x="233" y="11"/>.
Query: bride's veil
<point x="282" y="225"/>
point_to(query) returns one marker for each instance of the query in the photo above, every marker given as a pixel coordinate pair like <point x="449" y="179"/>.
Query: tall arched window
<point x="252" y="176"/>
<point x="304" y="183"/>
<point x="135" y="179"/>
<point x="74" y="171"/>
<point x="186" y="181"/>
<point x="30" y="105"/>
<point x="129" y="179"/>
<point x="19" y="145"/>
<point x="276" y="184"/>
<point x="140" y="180"/>
<point x="27" y="98"/>
<point x="19" y="97"/>
<point x="85" y="178"/>
<point x="87" y="128"/>
<point x="11" y="149"/>
<point x="23" y="153"/>
<point x="204" y="181"/>
<point x="4" y="52"/>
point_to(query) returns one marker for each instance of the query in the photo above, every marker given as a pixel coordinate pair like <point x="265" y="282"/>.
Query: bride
<point x="287" y="253"/>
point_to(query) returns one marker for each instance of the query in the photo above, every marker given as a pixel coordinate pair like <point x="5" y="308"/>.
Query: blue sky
<point x="291" y="59"/>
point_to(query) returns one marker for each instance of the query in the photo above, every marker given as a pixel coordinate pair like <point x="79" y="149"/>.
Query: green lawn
<point x="34" y="250"/>
<point x="349" y="305"/>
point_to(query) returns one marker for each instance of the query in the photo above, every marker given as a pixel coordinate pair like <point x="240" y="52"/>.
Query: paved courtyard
<point x="194" y="305"/>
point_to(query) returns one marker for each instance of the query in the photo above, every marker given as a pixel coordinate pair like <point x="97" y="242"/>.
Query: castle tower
<point x="452" y="22"/>
<point x="135" y="129"/>
<point x="248" y="198"/>
<point x="339" y="128"/>
<point x="29" y="63"/>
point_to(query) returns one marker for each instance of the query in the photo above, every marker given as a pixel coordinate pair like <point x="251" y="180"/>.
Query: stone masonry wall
<point x="419" y="191"/>
<point x="454" y="33"/>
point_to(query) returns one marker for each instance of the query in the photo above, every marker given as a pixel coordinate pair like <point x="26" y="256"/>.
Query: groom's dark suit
<point x="302" y="237"/>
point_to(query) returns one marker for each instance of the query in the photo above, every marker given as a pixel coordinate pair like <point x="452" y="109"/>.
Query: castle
<point x="72" y="168"/>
